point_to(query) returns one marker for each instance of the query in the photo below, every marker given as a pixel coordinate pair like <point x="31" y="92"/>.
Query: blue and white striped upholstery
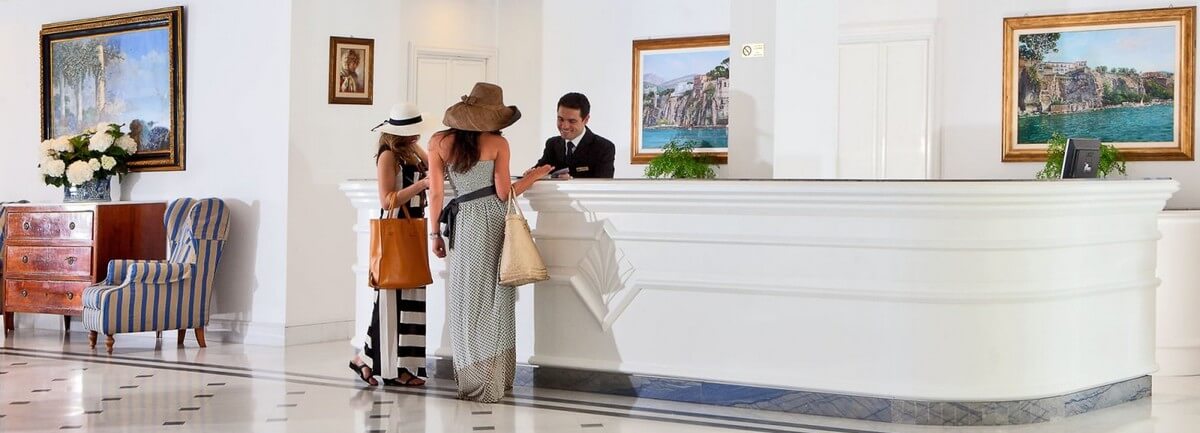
<point x="150" y="295"/>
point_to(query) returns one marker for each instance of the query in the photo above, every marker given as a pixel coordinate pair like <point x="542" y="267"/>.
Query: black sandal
<point x="406" y="382"/>
<point x="365" y="376"/>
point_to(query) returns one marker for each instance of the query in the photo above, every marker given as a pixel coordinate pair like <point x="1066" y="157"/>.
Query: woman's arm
<point x="500" y="174"/>
<point x="389" y="196"/>
<point x="437" y="193"/>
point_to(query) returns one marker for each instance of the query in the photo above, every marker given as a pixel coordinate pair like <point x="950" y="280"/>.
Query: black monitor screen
<point x="1081" y="159"/>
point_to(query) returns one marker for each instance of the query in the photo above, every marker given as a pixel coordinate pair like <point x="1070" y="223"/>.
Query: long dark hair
<point x="465" y="152"/>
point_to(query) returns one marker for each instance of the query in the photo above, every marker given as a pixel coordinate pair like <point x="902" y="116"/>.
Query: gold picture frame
<point x="126" y="69"/>
<point x="686" y="60"/>
<point x="1125" y="77"/>
<point x="351" y="70"/>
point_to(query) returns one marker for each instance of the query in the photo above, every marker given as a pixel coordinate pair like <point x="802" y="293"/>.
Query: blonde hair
<point x="406" y="147"/>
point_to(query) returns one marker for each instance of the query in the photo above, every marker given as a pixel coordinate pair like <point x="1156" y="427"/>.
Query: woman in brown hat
<point x="481" y="312"/>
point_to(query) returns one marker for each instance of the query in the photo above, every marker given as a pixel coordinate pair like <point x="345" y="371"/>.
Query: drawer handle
<point x="71" y="226"/>
<point x="26" y="225"/>
<point x="24" y="293"/>
<point x="71" y="260"/>
<point x="70" y="295"/>
<point x="24" y="259"/>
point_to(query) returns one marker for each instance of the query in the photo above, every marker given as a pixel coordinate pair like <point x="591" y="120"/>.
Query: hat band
<point x="404" y="122"/>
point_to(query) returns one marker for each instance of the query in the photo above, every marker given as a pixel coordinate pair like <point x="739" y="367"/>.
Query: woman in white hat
<point x="401" y="165"/>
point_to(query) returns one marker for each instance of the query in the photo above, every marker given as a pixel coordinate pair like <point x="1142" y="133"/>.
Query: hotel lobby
<point x="812" y="216"/>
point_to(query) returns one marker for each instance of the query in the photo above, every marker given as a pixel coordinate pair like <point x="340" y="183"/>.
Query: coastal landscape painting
<point x="680" y="94"/>
<point x="124" y="69"/>
<point x="1125" y="78"/>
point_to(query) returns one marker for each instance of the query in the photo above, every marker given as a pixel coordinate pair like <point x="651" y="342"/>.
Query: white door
<point x="884" y="111"/>
<point x="442" y="79"/>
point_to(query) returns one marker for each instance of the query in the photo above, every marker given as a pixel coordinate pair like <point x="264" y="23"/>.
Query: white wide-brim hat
<point x="404" y="120"/>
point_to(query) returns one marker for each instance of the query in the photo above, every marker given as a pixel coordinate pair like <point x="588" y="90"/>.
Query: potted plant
<point x="677" y="161"/>
<point x="83" y="164"/>
<point x="1110" y="158"/>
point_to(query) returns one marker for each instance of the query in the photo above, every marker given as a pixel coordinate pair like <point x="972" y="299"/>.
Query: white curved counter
<point x="901" y="291"/>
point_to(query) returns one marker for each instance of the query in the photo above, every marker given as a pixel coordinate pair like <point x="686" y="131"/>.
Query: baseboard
<point x="342" y="330"/>
<point x="245" y="332"/>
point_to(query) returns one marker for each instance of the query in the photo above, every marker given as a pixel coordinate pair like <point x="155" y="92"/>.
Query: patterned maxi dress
<point x="482" y="322"/>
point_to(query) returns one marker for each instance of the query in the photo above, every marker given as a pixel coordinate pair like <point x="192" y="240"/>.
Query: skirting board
<point x="898" y="411"/>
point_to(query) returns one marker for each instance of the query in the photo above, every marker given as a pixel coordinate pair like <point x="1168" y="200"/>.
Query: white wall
<point x="971" y="40"/>
<point x="237" y="93"/>
<point x="331" y="143"/>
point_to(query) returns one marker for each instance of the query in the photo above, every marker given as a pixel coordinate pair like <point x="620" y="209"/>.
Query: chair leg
<point x="158" y="335"/>
<point x="200" y="337"/>
<point x="109" y="343"/>
<point x="182" y="333"/>
<point x="8" y="322"/>
<point x="92" y="339"/>
<point x="66" y="323"/>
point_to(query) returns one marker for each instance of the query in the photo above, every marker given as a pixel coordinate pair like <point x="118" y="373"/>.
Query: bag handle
<point x="391" y="213"/>
<point x="512" y="203"/>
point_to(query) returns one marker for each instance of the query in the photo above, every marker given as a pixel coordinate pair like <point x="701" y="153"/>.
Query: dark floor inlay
<point x="20" y="402"/>
<point x="143" y="376"/>
<point x="110" y="399"/>
<point x="70" y="427"/>
<point x="287" y="405"/>
<point x="3" y="372"/>
<point x="276" y="419"/>
<point x="92" y="412"/>
<point x="591" y="425"/>
<point x="376" y="431"/>
<point x="129" y="387"/>
<point x="482" y="412"/>
<point x="383" y="402"/>
<point x="19" y="363"/>
<point x="203" y="395"/>
<point x="58" y="380"/>
<point x="173" y="423"/>
<point x="217" y="384"/>
<point x="185" y="409"/>
<point x="483" y="428"/>
<point x="41" y="390"/>
<point x="295" y="392"/>
<point x="378" y="416"/>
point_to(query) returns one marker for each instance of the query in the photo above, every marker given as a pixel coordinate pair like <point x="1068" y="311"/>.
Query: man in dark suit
<point x="576" y="148"/>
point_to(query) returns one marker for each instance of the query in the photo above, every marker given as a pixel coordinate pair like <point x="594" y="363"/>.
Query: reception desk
<point x="919" y="302"/>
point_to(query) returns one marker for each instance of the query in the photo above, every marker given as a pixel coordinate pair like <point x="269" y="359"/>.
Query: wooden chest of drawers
<point x="53" y="252"/>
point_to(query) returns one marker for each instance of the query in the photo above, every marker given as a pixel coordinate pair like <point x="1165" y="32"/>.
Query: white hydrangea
<point x="100" y="141"/>
<point x="104" y="126"/>
<point x="108" y="162"/>
<point x="46" y="149"/>
<point x="126" y="142"/>
<point x="53" y="167"/>
<point x="61" y="144"/>
<point x="79" y="172"/>
<point x="95" y="164"/>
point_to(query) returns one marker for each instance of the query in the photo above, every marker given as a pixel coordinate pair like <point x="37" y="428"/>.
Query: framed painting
<point x="351" y="70"/>
<point x="1126" y="78"/>
<point x="126" y="69"/>
<point x="680" y="95"/>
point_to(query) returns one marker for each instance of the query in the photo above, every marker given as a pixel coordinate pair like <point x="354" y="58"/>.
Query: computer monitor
<point x="1081" y="159"/>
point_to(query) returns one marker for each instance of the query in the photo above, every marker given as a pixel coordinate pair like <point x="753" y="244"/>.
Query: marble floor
<point x="52" y="382"/>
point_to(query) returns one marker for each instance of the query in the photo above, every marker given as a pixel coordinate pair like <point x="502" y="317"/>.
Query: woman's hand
<point x="540" y="172"/>
<point x="423" y="183"/>
<point x="439" y="247"/>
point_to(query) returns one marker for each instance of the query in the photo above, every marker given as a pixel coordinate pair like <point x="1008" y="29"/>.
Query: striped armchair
<point x="151" y="295"/>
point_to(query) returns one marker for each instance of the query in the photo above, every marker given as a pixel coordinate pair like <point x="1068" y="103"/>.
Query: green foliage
<point x="1110" y="158"/>
<point x="679" y="162"/>
<point x="1035" y="47"/>
<point x="1158" y="91"/>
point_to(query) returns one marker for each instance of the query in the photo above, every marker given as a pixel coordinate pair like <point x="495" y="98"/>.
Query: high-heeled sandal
<point x="366" y="376"/>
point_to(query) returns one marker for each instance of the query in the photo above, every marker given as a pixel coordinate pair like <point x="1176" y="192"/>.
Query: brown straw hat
<point x="483" y="110"/>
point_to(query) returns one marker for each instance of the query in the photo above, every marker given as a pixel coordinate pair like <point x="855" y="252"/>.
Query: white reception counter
<point x="884" y="300"/>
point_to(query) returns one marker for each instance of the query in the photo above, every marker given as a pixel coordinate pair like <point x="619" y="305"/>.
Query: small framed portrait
<point x="351" y="70"/>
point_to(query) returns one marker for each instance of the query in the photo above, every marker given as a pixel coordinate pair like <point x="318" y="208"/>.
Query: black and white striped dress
<point x="408" y="306"/>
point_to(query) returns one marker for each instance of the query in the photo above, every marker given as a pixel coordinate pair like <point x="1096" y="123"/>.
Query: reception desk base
<point x="890" y="410"/>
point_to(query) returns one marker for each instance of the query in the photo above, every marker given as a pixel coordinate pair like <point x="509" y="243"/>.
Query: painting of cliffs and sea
<point x="1127" y="84"/>
<point x="681" y="94"/>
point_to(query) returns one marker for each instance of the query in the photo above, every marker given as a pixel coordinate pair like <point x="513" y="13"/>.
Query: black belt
<point x="450" y="212"/>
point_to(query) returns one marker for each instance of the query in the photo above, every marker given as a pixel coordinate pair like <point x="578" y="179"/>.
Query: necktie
<point x="570" y="149"/>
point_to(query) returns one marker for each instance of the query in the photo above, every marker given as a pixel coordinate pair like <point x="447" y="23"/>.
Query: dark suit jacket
<point x="593" y="157"/>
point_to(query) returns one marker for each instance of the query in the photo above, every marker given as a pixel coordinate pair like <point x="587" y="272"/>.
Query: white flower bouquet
<point x="95" y="154"/>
